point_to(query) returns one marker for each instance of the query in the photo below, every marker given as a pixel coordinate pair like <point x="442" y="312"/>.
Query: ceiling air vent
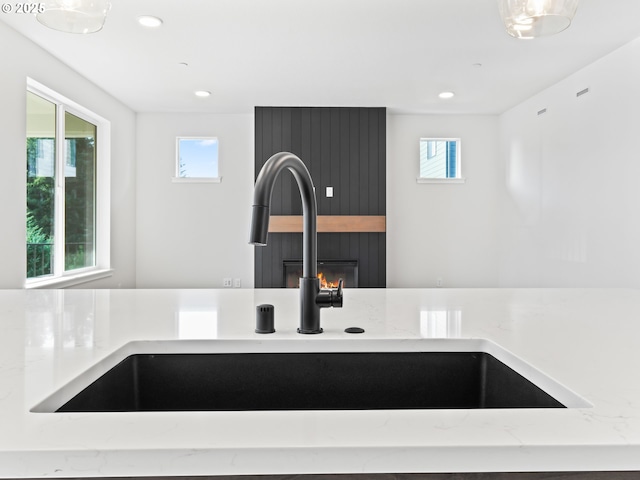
<point x="582" y="92"/>
<point x="540" y="112"/>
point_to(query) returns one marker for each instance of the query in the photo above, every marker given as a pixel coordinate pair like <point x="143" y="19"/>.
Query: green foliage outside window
<point x="79" y="207"/>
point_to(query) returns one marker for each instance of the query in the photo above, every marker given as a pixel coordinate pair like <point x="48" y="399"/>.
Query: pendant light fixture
<point x="536" y="18"/>
<point x="74" y="16"/>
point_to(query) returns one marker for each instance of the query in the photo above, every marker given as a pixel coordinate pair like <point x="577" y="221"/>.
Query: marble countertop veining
<point x="585" y="339"/>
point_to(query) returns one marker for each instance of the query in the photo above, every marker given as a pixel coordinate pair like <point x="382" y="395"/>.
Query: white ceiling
<point x="394" y="53"/>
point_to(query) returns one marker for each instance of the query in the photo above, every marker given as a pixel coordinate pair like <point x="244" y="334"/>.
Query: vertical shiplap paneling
<point x="296" y="148"/>
<point x="267" y="136"/>
<point x="257" y="146"/>
<point x="382" y="164"/>
<point x="354" y="162"/>
<point x="364" y="254"/>
<point x="328" y="246"/>
<point x="277" y="206"/>
<point x="273" y="248"/>
<point x="315" y="159"/>
<point x="324" y="203"/>
<point x="295" y="252"/>
<point x="334" y="149"/>
<point x="285" y="242"/>
<point x="345" y="247"/>
<point x="275" y="265"/>
<point x="259" y="258"/>
<point x="365" y="163"/>
<point x="285" y="146"/>
<point x="382" y="259"/>
<point x="374" y="264"/>
<point x="374" y="163"/>
<point x="355" y="253"/>
<point x="344" y="148"/>
<point x="345" y="170"/>
<point x="259" y="139"/>
<point x="258" y="268"/>
<point x="305" y="147"/>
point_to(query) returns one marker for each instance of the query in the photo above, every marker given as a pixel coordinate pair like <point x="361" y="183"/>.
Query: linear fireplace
<point x="329" y="272"/>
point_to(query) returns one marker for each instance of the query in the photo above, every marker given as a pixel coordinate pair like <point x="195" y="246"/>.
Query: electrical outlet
<point x="226" y="282"/>
<point x="439" y="282"/>
<point x="237" y="283"/>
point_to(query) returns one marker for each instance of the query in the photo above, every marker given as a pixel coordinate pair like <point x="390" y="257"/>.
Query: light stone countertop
<point x="588" y="340"/>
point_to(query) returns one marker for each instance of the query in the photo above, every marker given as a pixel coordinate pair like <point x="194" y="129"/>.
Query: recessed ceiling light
<point x="149" y="21"/>
<point x="202" y="93"/>
<point x="446" y="95"/>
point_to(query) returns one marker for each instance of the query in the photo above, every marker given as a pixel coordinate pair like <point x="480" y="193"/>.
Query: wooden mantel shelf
<point x="330" y="224"/>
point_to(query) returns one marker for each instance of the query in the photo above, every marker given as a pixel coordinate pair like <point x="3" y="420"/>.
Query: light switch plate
<point x="329" y="192"/>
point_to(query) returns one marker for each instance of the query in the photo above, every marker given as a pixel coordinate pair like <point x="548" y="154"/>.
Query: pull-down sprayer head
<point x="259" y="225"/>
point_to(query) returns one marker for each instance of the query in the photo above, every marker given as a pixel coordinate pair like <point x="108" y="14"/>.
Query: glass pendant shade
<point x="74" y="16"/>
<point x="536" y="18"/>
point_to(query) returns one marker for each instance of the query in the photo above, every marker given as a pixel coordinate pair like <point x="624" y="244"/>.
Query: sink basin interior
<point x="252" y="375"/>
<point x="308" y="381"/>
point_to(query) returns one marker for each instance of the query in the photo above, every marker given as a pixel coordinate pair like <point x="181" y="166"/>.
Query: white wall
<point x="20" y="58"/>
<point x="193" y="235"/>
<point x="442" y="231"/>
<point x="570" y="202"/>
<point x="550" y="200"/>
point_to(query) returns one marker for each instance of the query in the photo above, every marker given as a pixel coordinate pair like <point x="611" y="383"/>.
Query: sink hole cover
<point x="354" y="330"/>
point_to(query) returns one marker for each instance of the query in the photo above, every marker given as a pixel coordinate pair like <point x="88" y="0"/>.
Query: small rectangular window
<point x="440" y="160"/>
<point x="197" y="159"/>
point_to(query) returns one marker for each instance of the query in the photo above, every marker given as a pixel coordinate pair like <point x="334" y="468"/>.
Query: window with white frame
<point x="197" y="160"/>
<point x="67" y="211"/>
<point x="440" y="160"/>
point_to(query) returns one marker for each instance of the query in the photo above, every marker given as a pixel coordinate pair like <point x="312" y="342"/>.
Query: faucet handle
<point x="337" y="295"/>
<point x="330" y="298"/>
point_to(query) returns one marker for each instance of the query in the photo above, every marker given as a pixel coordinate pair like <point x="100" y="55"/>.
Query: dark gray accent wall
<point x="344" y="148"/>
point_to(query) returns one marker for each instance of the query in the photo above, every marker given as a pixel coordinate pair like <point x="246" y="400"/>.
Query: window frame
<point x="176" y="174"/>
<point x="458" y="178"/>
<point x="102" y="268"/>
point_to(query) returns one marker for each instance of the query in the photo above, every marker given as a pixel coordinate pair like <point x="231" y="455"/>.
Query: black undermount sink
<point x="308" y="381"/>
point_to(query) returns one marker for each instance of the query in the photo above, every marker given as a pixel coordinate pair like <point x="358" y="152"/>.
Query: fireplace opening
<point x="329" y="272"/>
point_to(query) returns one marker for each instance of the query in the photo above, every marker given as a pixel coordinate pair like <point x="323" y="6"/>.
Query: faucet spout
<point x="311" y="298"/>
<point x="262" y="202"/>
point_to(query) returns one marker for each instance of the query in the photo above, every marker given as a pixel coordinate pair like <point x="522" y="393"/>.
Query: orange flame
<point x="326" y="284"/>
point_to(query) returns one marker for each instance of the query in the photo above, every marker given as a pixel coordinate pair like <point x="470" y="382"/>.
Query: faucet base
<point x="309" y="332"/>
